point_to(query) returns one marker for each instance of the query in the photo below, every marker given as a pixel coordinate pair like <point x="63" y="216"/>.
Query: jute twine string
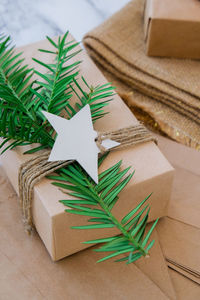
<point x="33" y="170"/>
<point x="30" y="173"/>
<point x="128" y="136"/>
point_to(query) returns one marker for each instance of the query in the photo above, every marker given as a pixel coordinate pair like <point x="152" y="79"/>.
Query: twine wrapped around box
<point x="33" y="170"/>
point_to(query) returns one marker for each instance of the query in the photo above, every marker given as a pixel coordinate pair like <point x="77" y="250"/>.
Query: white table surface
<point x="28" y="21"/>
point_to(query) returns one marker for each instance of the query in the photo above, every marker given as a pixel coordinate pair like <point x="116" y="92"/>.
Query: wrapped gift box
<point x="172" y="28"/>
<point x="153" y="173"/>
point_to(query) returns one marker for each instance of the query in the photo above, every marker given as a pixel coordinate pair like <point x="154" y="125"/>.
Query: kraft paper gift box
<point x="172" y="28"/>
<point x="153" y="173"/>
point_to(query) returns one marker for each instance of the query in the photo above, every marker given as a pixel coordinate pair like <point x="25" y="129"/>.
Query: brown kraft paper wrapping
<point x="190" y="275"/>
<point x="180" y="244"/>
<point x="26" y="267"/>
<point x="185" y="289"/>
<point x="184" y="203"/>
<point x="172" y="28"/>
<point x="153" y="174"/>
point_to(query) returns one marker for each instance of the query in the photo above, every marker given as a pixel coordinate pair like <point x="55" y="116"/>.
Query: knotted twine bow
<point x="33" y="170"/>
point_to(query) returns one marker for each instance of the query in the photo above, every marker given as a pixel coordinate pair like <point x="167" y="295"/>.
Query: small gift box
<point x="172" y="28"/>
<point x="153" y="173"/>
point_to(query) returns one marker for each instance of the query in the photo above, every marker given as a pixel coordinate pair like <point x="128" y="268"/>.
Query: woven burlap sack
<point x="164" y="89"/>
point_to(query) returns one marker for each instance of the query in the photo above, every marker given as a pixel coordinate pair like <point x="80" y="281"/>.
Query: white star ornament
<point x="76" y="140"/>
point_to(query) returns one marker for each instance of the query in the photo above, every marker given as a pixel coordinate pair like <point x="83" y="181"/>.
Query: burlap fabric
<point x="165" y="89"/>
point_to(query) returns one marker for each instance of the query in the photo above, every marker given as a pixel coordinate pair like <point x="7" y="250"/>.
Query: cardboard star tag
<point x="76" y="140"/>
